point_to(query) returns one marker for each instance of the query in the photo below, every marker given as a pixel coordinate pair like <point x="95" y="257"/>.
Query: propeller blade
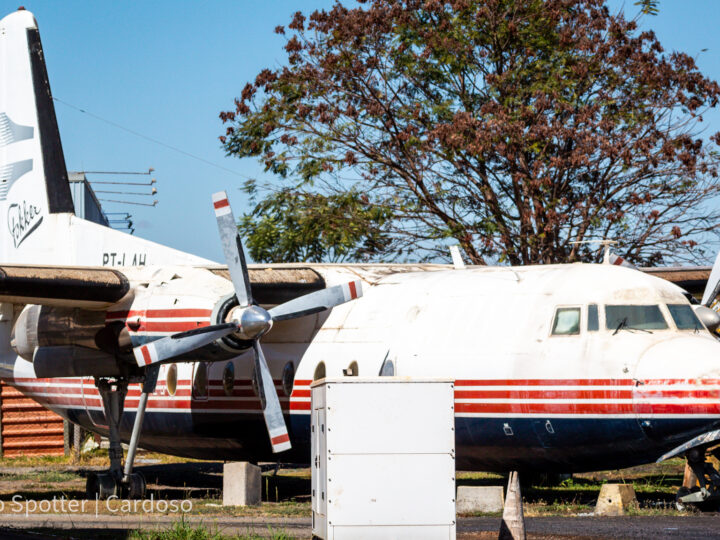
<point x="617" y="260"/>
<point x="232" y="248"/>
<point x="181" y="343"/>
<point x="317" y="301"/>
<point x="279" y="438"/>
<point x="712" y="287"/>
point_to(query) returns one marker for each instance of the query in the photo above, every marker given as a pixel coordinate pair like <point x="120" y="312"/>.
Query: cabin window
<point x="288" y="378"/>
<point x="229" y="378"/>
<point x="352" y="370"/>
<point x="388" y="368"/>
<point x="592" y="319"/>
<point x="319" y="371"/>
<point x="567" y="321"/>
<point x="634" y="318"/>
<point x="200" y="381"/>
<point x="684" y="317"/>
<point x="171" y="379"/>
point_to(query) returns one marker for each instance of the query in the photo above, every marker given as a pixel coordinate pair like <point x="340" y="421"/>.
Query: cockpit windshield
<point x="684" y="317"/>
<point x="634" y="318"/>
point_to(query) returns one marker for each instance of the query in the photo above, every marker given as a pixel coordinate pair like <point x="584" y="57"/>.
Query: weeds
<point x="182" y="530"/>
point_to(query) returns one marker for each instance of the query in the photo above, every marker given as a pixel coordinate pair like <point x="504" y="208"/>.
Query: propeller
<point x="247" y="321"/>
<point x="712" y="287"/>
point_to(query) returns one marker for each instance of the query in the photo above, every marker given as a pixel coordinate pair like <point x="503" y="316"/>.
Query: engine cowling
<point x="47" y="326"/>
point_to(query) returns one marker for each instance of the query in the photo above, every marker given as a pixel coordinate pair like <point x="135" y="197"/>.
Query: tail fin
<point x="33" y="176"/>
<point x="36" y="203"/>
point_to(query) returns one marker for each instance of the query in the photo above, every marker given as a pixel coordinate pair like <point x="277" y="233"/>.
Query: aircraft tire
<point x="136" y="486"/>
<point x="101" y="486"/>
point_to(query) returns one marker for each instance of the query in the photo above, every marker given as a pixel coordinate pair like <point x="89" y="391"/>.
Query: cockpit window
<point x="634" y="318"/>
<point x="592" y="318"/>
<point x="684" y="317"/>
<point x="567" y="321"/>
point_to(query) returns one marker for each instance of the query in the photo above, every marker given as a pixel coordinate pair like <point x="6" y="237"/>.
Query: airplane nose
<point x="676" y="392"/>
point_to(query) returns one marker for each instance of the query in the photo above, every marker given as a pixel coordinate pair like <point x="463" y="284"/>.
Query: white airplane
<point x="558" y="368"/>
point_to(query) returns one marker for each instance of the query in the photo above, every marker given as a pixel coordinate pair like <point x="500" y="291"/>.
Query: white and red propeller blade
<point x="712" y="287"/>
<point x="617" y="260"/>
<point x="274" y="420"/>
<point x="232" y="248"/>
<point x="235" y="258"/>
<point x="317" y="301"/>
<point x="178" y="344"/>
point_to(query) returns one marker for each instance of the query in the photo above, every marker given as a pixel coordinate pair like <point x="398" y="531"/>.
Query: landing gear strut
<point x="706" y="497"/>
<point x="120" y="481"/>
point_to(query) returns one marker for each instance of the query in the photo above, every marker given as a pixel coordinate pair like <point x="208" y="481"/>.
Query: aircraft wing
<point x="690" y="278"/>
<point x="67" y="286"/>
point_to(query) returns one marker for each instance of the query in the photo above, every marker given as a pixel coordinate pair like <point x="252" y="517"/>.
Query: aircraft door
<point x="567" y="340"/>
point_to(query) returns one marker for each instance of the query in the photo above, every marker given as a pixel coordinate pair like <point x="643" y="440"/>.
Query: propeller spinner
<point x="248" y="321"/>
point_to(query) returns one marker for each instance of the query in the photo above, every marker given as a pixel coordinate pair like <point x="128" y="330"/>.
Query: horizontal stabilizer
<point x="85" y="287"/>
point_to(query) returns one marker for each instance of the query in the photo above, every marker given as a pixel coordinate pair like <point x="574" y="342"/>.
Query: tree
<point x="294" y="226"/>
<point x="516" y="127"/>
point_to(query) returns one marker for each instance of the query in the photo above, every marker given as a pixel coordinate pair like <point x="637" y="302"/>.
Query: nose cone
<point x="695" y="356"/>
<point x="677" y="387"/>
<point x="254" y="321"/>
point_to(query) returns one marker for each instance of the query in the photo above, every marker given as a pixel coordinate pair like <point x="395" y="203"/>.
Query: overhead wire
<point x="150" y="139"/>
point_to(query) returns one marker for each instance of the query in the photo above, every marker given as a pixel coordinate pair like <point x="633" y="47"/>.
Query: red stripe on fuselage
<point x="159" y="313"/>
<point x="545" y="382"/>
<point x="543" y="394"/>
<point x="545" y="408"/>
<point x="180" y="326"/>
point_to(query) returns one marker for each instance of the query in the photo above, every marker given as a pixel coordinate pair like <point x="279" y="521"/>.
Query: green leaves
<point x="300" y="226"/>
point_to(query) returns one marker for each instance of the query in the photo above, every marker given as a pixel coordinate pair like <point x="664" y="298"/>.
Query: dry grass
<point x="287" y="494"/>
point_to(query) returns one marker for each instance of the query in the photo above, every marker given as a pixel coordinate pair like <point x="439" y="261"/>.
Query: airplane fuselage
<point x="536" y="389"/>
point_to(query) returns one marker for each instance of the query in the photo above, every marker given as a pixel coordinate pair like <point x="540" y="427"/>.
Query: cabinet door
<point x="319" y="496"/>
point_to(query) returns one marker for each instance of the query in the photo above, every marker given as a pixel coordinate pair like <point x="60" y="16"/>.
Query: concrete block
<point x="614" y="499"/>
<point x="479" y="499"/>
<point x="242" y="484"/>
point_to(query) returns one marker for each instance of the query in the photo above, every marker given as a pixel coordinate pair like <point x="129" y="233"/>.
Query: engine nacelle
<point x="47" y="326"/>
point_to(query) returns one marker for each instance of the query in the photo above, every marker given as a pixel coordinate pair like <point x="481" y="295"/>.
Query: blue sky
<point x="167" y="68"/>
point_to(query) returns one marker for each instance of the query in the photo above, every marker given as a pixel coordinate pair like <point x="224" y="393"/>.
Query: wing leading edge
<point x="83" y="287"/>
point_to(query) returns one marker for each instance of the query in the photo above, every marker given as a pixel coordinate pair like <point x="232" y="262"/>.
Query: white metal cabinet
<point x="383" y="458"/>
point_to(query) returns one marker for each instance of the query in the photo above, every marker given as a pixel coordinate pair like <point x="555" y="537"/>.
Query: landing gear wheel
<point x="136" y="486"/>
<point x="682" y="492"/>
<point x="709" y="505"/>
<point x="101" y="486"/>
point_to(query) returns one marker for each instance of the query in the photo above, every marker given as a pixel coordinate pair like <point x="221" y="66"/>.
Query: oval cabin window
<point x="229" y="378"/>
<point x="288" y="378"/>
<point x="352" y="370"/>
<point x="200" y="382"/>
<point x="171" y="379"/>
<point x="319" y="371"/>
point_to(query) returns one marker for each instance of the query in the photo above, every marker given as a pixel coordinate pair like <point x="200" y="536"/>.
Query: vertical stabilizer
<point x="37" y="221"/>
<point x="33" y="177"/>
